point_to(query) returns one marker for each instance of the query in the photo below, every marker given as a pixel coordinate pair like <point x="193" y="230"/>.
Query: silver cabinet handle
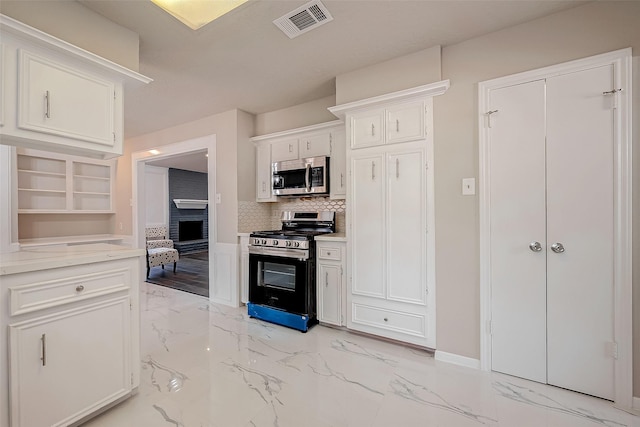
<point x="385" y="319"/>
<point x="373" y="170"/>
<point x="326" y="279"/>
<point x="397" y="168"/>
<point x="341" y="180"/>
<point x="264" y="186"/>
<point x="290" y="148"/>
<point x="557" y="248"/>
<point x="535" y="246"/>
<point x="47" y="111"/>
<point x="397" y="125"/>
<point x="79" y="288"/>
<point x="373" y="130"/>
<point x="43" y="339"/>
<point x="307" y="145"/>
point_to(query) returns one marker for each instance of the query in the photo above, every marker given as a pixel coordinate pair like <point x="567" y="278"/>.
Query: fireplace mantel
<point x="190" y="203"/>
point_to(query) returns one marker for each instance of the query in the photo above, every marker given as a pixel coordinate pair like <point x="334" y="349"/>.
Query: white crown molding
<point x="431" y="89"/>
<point x="33" y="35"/>
<point x="291" y="132"/>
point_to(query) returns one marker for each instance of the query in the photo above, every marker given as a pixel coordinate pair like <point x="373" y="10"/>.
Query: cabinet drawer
<point x="41" y="295"/>
<point x="396" y="321"/>
<point x="329" y="253"/>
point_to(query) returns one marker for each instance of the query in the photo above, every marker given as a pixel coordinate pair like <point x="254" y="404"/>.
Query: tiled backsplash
<point x="253" y="216"/>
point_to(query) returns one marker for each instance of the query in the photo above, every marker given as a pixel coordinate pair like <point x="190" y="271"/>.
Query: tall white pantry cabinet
<point x="390" y="220"/>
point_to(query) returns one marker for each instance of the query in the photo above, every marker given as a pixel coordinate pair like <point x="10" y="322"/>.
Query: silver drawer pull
<point x="328" y="253"/>
<point x="385" y="319"/>
<point x="79" y="288"/>
<point x="47" y="111"/>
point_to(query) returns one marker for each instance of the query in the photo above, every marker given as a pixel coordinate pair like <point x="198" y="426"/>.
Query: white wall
<point x="156" y="196"/>
<point x="309" y="113"/>
<point x="404" y="72"/>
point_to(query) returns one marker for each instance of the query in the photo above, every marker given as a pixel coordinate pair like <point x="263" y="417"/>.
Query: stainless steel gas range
<point x="282" y="269"/>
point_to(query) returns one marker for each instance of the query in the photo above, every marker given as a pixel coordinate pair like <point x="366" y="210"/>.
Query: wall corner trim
<point x="456" y="359"/>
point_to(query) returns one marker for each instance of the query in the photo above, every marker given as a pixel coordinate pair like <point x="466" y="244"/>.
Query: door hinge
<point x="613" y="349"/>
<point x="489" y="327"/>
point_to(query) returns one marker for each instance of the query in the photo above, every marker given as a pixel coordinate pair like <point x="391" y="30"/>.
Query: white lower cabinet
<point x="69" y="364"/>
<point x="73" y="339"/>
<point x="330" y="282"/>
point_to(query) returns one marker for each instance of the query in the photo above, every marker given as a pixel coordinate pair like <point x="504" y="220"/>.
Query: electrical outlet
<point x="218" y="198"/>
<point x="468" y="186"/>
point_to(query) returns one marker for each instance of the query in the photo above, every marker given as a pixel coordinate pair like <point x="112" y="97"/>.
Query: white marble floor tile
<point x="209" y="365"/>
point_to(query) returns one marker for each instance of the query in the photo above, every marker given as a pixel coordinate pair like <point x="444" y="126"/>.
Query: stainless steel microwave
<point x="302" y="177"/>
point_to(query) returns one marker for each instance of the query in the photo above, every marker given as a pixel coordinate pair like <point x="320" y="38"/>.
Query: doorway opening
<point x="164" y="178"/>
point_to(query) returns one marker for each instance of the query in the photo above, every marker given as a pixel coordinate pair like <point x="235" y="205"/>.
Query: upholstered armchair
<point x="160" y="250"/>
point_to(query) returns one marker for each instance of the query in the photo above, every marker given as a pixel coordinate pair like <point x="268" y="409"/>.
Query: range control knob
<point x="264" y="241"/>
<point x="288" y="244"/>
<point x="275" y="242"/>
<point x="256" y="241"/>
<point x="297" y="244"/>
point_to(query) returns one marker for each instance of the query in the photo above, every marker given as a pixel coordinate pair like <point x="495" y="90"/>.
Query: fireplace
<point x="190" y="230"/>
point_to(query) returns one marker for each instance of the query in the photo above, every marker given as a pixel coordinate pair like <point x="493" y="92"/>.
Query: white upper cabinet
<point x="325" y="139"/>
<point x="366" y="129"/>
<point x="405" y="122"/>
<point x="286" y="149"/>
<point x="58" y="97"/>
<point x="59" y="100"/>
<point x="315" y="145"/>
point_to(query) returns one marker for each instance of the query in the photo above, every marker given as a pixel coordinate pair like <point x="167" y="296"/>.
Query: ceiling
<point x="242" y="60"/>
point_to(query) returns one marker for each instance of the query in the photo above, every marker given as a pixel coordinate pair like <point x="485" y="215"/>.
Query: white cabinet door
<point x="284" y="150"/>
<point x="329" y="283"/>
<point x="406" y="227"/>
<point x="59" y="100"/>
<point x="580" y="209"/>
<point x="315" y="145"/>
<point x="67" y="365"/>
<point x="405" y="122"/>
<point x="518" y="301"/>
<point x="367" y="129"/>
<point x="367" y="224"/>
<point x="244" y="269"/>
<point x="338" y="166"/>
<point x="263" y="173"/>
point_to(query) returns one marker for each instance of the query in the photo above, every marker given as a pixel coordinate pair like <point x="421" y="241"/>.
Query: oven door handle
<point x="300" y="254"/>
<point x="307" y="177"/>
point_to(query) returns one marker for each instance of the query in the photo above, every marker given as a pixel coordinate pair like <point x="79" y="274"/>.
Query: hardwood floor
<point x="192" y="274"/>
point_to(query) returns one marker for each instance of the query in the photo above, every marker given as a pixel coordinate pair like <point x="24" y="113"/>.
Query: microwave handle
<point x="307" y="177"/>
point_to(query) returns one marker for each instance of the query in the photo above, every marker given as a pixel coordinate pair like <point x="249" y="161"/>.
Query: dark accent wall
<point x="187" y="185"/>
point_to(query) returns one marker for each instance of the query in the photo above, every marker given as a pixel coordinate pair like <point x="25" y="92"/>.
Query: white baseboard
<point x="456" y="359"/>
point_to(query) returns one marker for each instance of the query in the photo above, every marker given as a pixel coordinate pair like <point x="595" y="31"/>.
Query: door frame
<point x="205" y="144"/>
<point x="622" y="60"/>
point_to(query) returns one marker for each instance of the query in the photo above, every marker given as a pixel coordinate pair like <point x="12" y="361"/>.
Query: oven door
<point x="283" y="283"/>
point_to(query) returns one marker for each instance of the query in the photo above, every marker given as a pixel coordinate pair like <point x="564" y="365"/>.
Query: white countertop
<point x="93" y="238"/>
<point x="46" y="257"/>
<point x="332" y="237"/>
<point x="243" y="234"/>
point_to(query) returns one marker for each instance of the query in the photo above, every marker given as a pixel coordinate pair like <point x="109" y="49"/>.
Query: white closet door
<point x="518" y="296"/>
<point x="580" y="204"/>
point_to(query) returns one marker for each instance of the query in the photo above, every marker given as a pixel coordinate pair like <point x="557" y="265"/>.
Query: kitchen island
<point x="70" y="321"/>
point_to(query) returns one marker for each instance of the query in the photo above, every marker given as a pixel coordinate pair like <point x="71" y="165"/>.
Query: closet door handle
<point x="47" y="111"/>
<point x="535" y="246"/>
<point x="557" y="248"/>
<point x="43" y="339"/>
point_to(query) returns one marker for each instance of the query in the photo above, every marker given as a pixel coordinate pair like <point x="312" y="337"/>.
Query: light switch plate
<point x="468" y="186"/>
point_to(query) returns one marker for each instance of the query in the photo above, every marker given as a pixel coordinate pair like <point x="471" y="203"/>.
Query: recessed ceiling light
<point x="154" y="152"/>
<point x="197" y="13"/>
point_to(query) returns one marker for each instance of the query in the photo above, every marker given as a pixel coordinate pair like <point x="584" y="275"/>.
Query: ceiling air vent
<point x="303" y="19"/>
